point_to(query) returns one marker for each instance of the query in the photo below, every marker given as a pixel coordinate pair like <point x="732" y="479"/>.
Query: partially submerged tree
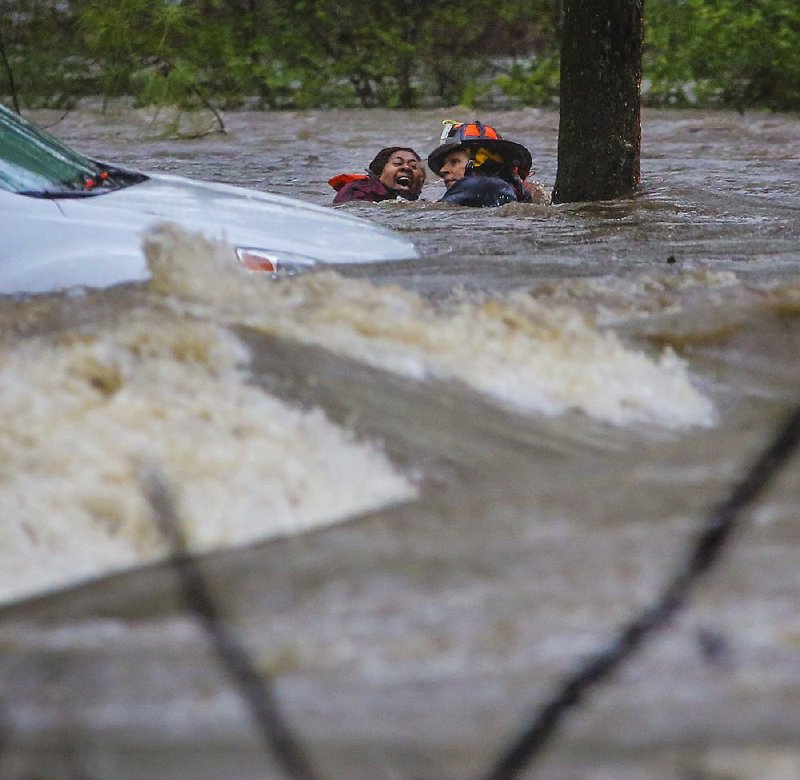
<point x="599" y="134"/>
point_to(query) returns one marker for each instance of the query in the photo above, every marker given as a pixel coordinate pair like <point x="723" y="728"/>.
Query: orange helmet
<point x="473" y="135"/>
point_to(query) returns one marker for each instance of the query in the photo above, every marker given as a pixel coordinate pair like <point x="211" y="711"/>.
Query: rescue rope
<point x="717" y="528"/>
<point x="254" y="686"/>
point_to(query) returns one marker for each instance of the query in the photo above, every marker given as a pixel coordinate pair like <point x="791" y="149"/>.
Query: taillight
<point x="275" y="262"/>
<point x="256" y="260"/>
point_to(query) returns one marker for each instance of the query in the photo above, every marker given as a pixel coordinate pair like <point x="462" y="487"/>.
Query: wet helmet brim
<point x="513" y="154"/>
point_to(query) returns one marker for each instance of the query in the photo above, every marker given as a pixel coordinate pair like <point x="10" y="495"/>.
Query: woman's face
<point x="403" y="172"/>
<point x="454" y="167"/>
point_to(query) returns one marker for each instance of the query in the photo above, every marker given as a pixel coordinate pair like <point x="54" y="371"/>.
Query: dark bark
<point x="599" y="135"/>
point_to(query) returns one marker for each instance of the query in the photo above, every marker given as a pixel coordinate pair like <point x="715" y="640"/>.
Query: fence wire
<point x="706" y="550"/>
<point x="254" y="686"/>
<point x="531" y="741"/>
<point x="277" y="735"/>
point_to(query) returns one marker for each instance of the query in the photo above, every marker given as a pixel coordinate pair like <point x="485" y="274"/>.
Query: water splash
<point x="169" y="391"/>
<point x="536" y="357"/>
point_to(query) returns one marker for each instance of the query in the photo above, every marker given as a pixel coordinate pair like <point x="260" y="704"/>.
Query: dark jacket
<point x="369" y="188"/>
<point x="479" y="190"/>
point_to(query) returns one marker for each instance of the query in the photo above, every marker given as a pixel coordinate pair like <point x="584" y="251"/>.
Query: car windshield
<point x="34" y="163"/>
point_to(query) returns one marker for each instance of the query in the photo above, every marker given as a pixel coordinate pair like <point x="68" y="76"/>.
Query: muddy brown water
<point x="563" y="454"/>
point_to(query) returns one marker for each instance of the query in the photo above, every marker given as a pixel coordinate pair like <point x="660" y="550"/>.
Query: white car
<point x="69" y="221"/>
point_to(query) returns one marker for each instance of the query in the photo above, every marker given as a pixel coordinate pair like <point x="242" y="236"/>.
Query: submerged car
<point x="69" y="221"/>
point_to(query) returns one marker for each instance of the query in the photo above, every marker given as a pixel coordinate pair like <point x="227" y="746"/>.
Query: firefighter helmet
<point x="474" y="135"/>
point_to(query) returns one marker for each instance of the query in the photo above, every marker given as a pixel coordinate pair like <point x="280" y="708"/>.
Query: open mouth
<point x="403" y="180"/>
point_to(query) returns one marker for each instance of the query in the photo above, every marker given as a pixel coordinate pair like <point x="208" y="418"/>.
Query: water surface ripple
<point x="426" y="491"/>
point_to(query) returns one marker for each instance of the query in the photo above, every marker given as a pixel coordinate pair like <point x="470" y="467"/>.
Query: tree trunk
<point x="599" y="134"/>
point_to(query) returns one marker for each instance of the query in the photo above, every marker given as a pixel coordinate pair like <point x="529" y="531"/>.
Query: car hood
<point x="243" y="217"/>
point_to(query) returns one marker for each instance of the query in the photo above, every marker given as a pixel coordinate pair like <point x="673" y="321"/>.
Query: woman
<point x="480" y="168"/>
<point x="395" y="172"/>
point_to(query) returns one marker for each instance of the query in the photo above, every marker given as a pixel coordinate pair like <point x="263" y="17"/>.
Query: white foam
<point x="539" y="357"/>
<point x="79" y="418"/>
<point x="168" y="386"/>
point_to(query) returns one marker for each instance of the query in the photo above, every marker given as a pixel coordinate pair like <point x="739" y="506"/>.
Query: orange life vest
<point x="337" y="182"/>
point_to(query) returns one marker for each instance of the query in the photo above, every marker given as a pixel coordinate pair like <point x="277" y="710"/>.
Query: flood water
<point x="423" y="492"/>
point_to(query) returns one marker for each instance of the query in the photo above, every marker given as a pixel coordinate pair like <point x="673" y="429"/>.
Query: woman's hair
<point x="382" y="157"/>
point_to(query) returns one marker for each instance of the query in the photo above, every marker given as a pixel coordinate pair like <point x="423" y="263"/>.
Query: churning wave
<point x="537" y="357"/>
<point x="82" y="414"/>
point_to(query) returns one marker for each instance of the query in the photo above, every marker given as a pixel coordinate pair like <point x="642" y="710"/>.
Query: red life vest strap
<point x="337" y="182"/>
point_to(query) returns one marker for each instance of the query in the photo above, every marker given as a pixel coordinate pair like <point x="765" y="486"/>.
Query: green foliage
<point x="126" y="36"/>
<point x="165" y="85"/>
<point x="729" y="52"/>
<point x="38" y="41"/>
<point x="396" y="53"/>
<point x="533" y="83"/>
